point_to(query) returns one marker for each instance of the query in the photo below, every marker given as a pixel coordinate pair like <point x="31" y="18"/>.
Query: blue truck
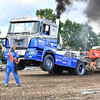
<point x="35" y="40"/>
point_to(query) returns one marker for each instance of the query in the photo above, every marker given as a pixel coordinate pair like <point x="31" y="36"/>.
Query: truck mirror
<point x="46" y="28"/>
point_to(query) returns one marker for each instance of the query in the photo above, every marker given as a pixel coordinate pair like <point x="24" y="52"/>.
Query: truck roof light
<point x="39" y="16"/>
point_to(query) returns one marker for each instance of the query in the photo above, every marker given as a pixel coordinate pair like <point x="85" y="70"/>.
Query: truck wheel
<point x="80" y="68"/>
<point x="20" y="66"/>
<point x="48" y="63"/>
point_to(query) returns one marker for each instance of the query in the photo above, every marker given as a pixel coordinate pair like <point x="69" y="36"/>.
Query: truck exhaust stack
<point x="57" y="22"/>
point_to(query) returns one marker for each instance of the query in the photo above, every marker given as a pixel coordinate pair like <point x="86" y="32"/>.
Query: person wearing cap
<point x="11" y="56"/>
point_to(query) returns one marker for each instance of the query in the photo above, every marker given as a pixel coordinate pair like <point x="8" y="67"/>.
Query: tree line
<point x="75" y="35"/>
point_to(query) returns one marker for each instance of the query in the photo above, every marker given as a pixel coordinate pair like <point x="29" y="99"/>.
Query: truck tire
<point x="48" y="63"/>
<point x="80" y="68"/>
<point x="20" y="66"/>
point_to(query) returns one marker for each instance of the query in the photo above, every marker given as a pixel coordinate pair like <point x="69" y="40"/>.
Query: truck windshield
<point x="30" y="27"/>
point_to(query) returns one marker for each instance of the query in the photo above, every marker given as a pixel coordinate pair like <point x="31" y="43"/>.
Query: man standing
<point x="11" y="55"/>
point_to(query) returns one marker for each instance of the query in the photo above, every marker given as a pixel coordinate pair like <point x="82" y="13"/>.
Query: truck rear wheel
<point x="48" y="63"/>
<point x="80" y="68"/>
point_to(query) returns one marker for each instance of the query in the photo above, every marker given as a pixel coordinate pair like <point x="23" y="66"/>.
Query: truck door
<point x="45" y="34"/>
<point x="42" y="38"/>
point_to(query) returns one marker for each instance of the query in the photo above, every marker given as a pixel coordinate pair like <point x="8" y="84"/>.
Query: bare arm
<point x="2" y="47"/>
<point x="18" y="61"/>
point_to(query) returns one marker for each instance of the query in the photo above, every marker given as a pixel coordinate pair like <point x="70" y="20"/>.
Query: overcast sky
<point x="12" y="8"/>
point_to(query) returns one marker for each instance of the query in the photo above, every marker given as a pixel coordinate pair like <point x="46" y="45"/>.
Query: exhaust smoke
<point x="61" y="6"/>
<point x="92" y="10"/>
<point x="57" y="22"/>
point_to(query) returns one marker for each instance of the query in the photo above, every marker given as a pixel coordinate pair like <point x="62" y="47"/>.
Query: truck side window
<point x="46" y="29"/>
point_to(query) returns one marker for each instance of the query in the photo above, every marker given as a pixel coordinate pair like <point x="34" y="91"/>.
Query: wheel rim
<point x="49" y="63"/>
<point x="81" y="68"/>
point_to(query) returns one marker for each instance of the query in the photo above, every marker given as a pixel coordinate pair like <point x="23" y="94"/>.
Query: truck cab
<point x="26" y="33"/>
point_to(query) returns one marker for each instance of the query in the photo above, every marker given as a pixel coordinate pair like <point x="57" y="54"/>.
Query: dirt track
<point x="39" y="85"/>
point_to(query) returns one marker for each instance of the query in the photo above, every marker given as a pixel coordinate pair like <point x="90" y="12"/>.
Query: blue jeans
<point x="8" y="70"/>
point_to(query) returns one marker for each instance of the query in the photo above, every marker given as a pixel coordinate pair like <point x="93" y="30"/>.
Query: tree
<point x="79" y="36"/>
<point x="90" y="38"/>
<point x="70" y="34"/>
<point x="47" y="13"/>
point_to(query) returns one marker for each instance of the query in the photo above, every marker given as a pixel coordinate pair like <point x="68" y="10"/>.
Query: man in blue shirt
<point x="11" y="55"/>
<point x="44" y="32"/>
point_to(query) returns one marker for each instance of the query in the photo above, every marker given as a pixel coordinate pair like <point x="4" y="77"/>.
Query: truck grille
<point x="19" y="42"/>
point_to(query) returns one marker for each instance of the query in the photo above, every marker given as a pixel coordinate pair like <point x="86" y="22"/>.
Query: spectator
<point x="11" y="55"/>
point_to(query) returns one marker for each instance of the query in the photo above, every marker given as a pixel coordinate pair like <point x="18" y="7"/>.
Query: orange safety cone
<point x="11" y="57"/>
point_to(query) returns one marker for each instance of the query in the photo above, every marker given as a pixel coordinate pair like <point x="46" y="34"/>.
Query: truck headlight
<point x="32" y="52"/>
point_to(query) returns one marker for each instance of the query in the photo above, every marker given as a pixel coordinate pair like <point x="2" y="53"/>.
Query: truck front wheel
<point x="80" y="68"/>
<point x="20" y="66"/>
<point x="48" y="63"/>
